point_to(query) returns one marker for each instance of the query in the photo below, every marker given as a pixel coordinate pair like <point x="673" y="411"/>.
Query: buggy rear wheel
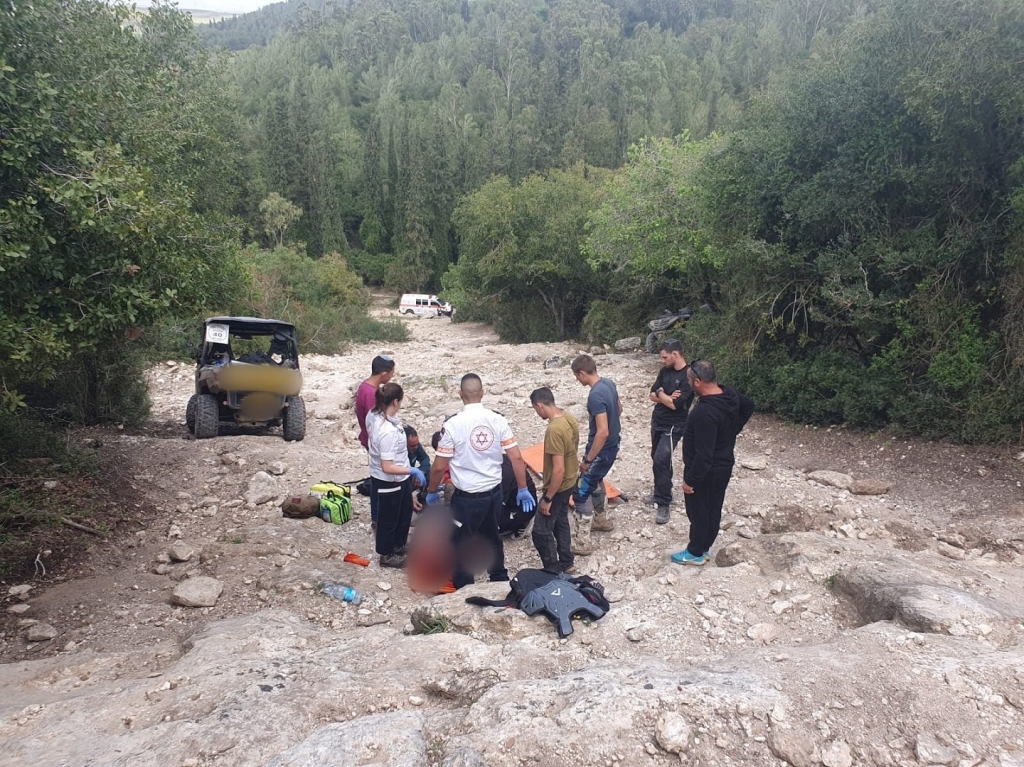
<point x="293" y="420"/>
<point x="190" y="413"/>
<point x="207" y="417"/>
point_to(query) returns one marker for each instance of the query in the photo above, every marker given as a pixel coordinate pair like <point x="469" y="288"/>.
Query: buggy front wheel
<point x="293" y="420"/>
<point x="207" y="417"/>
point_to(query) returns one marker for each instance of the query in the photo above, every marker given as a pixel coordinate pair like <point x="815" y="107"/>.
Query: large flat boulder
<point x="380" y="740"/>
<point x="917" y="599"/>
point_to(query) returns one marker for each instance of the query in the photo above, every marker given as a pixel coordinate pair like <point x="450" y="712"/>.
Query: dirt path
<point x="113" y="624"/>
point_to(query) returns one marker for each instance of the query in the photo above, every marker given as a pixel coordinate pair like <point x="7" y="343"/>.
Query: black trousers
<point x="394" y="514"/>
<point x="478" y="545"/>
<point x="704" y="510"/>
<point x="552" y="535"/>
<point x="663" y="443"/>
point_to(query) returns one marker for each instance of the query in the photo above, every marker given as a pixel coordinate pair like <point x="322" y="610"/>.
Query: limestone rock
<point x="753" y="462"/>
<point x="954" y="539"/>
<point x="929" y="750"/>
<point x="913" y="598"/>
<point x="395" y="739"/>
<point x="831" y="478"/>
<point x="837" y="754"/>
<point x="794" y="746"/>
<point x="19" y="591"/>
<point x="464" y="757"/>
<point x="763" y="632"/>
<point x="277" y="468"/>
<point x="788" y="519"/>
<point x="262" y="488"/>
<point x="809" y="553"/>
<point x="201" y="591"/>
<point x="180" y="552"/>
<point x="20" y="608"/>
<point x="672" y="732"/>
<point x="952" y="552"/>
<point x="628" y="344"/>
<point x="868" y="487"/>
<point x="40" y="632"/>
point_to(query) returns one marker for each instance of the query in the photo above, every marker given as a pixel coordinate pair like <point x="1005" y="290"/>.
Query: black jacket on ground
<point x="709" y="439"/>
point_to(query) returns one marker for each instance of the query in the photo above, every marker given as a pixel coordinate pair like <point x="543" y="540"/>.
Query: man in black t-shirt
<point x="671" y="395"/>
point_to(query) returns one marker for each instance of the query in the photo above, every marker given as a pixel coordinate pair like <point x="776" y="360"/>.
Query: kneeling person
<point x="551" y="532"/>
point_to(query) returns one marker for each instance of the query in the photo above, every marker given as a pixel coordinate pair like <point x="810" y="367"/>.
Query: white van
<point x="424" y="305"/>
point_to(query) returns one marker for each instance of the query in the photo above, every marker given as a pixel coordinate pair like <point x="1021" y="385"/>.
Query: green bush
<point x="23" y="437"/>
<point x="526" y="321"/>
<point x="323" y="298"/>
<point x="102" y="386"/>
<point x="822" y="386"/>
<point x="372" y="267"/>
<point x="608" y="321"/>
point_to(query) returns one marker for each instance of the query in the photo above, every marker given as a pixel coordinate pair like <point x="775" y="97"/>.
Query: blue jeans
<point x="592" y="482"/>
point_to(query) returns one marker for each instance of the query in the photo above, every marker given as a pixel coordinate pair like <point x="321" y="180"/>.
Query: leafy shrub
<point x="608" y="321"/>
<point x="101" y="386"/>
<point x="323" y="298"/>
<point x="23" y="437"/>
<point x="372" y="267"/>
<point x="526" y="321"/>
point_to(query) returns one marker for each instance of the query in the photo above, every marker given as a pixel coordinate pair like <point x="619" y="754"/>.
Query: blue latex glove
<point x="525" y="500"/>
<point x="418" y="476"/>
<point x="433" y="498"/>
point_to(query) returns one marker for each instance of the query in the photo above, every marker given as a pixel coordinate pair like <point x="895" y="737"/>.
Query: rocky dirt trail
<point x="865" y="605"/>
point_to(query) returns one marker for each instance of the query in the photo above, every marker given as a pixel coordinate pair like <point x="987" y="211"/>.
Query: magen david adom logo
<point x="481" y="438"/>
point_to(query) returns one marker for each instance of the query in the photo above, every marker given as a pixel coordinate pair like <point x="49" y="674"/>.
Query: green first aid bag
<point x="336" y="509"/>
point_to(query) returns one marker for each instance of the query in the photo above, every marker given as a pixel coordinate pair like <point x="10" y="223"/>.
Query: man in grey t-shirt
<point x="604" y="410"/>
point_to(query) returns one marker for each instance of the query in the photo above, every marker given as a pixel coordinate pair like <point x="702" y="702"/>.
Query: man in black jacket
<point x="671" y="396"/>
<point x="709" y="445"/>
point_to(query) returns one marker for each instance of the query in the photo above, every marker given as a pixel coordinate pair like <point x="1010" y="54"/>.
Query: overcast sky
<point x="225" y="6"/>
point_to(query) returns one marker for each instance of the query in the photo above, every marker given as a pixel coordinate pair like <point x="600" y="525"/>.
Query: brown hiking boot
<point x="602" y="522"/>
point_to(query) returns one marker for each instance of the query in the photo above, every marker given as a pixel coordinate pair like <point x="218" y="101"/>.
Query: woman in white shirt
<point x="391" y="475"/>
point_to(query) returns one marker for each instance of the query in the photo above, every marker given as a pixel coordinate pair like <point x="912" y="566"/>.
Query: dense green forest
<point x="840" y="181"/>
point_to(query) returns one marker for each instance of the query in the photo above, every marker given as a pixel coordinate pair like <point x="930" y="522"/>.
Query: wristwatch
<point x="546" y="499"/>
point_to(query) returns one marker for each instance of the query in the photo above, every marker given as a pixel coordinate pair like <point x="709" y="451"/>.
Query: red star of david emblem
<point x="481" y="438"/>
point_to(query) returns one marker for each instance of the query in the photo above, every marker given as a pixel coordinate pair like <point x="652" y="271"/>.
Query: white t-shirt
<point x="386" y="442"/>
<point x="474" y="439"/>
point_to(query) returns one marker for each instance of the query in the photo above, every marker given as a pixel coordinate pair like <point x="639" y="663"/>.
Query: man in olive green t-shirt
<point x="551" y="532"/>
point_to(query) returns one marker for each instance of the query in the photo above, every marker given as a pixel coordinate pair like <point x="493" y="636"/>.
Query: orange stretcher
<point x="534" y="457"/>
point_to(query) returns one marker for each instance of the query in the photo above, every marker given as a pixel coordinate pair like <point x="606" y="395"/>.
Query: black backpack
<point x="557" y="596"/>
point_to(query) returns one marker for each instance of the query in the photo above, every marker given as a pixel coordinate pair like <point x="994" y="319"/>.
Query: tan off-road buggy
<point x="259" y="388"/>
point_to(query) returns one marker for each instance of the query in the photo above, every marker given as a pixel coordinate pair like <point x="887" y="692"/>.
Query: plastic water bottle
<point x="342" y="592"/>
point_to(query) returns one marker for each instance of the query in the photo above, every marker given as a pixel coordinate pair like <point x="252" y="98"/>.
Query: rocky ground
<point x="865" y="604"/>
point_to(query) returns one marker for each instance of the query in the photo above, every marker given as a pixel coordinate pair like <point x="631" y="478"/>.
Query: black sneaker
<point x="392" y="560"/>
